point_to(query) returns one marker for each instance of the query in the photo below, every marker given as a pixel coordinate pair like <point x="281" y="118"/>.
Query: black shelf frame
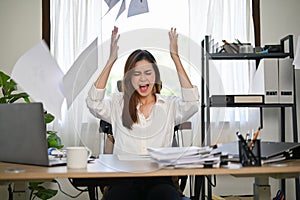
<point x="246" y="56"/>
<point x="206" y="55"/>
<point x="252" y="105"/>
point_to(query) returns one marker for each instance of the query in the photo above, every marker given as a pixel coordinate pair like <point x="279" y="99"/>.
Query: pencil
<point x="254" y="137"/>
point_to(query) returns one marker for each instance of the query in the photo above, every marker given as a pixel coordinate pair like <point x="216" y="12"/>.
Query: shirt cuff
<point x="190" y="94"/>
<point x="96" y="94"/>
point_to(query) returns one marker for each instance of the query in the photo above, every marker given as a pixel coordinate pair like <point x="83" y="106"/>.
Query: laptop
<point x="23" y="136"/>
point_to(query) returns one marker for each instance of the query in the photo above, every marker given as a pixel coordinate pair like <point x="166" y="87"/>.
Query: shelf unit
<point x="206" y="104"/>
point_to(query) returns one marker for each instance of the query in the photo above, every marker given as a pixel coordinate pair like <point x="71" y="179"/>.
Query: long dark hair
<point x="131" y="97"/>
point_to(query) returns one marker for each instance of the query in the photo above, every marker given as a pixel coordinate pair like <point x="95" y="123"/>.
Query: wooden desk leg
<point x="261" y="188"/>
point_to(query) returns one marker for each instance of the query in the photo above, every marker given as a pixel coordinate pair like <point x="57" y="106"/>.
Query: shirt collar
<point x="159" y="99"/>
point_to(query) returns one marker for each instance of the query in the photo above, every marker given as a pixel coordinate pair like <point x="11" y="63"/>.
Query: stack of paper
<point x="184" y="157"/>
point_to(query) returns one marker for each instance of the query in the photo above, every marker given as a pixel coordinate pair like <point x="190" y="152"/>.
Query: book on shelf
<point x="236" y="99"/>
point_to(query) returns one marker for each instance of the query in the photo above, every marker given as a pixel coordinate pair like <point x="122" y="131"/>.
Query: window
<point x="75" y="24"/>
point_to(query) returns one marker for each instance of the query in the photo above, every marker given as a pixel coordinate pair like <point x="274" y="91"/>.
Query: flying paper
<point x="137" y="7"/>
<point x="80" y="72"/>
<point x="38" y="74"/>
<point x="111" y="3"/>
<point x="122" y="9"/>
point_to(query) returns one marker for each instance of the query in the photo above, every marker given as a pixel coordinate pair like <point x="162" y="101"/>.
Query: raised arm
<point x="182" y="75"/>
<point x="103" y="77"/>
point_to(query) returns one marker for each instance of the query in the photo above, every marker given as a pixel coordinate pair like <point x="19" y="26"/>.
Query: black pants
<point x="154" y="188"/>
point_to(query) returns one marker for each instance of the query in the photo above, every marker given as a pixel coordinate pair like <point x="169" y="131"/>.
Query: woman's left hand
<point x="173" y="36"/>
<point x="183" y="77"/>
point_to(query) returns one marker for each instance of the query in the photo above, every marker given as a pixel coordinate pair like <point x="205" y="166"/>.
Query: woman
<point x="140" y="116"/>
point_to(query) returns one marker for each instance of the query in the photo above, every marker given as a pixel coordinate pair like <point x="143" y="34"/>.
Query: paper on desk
<point x="80" y="72"/>
<point x="111" y="163"/>
<point x="133" y="157"/>
<point x="38" y="74"/>
<point x="171" y="153"/>
<point x="178" y="150"/>
<point x="184" y="157"/>
<point x="297" y="56"/>
<point x="193" y="163"/>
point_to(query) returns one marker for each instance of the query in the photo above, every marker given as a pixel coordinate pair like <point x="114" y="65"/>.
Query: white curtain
<point x="76" y="23"/>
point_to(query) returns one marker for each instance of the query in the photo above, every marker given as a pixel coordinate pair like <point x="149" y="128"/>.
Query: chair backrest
<point x="108" y="139"/>
<point x="106" y="128"/>
<point x="178" y="133"/>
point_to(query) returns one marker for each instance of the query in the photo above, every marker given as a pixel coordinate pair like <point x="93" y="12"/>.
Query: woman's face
<point x="143" y="78"/>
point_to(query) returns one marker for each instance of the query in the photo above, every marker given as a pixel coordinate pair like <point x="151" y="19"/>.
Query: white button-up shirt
<point x="155" y="131"/>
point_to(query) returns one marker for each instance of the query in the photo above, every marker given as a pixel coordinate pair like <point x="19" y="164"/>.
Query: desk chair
<point x="93" y="184"/>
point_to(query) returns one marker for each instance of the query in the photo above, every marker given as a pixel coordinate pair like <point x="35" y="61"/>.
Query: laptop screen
<point x="23" y="137"/>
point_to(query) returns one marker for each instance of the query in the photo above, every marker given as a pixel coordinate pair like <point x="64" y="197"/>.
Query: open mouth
<point x="144" y="88"/>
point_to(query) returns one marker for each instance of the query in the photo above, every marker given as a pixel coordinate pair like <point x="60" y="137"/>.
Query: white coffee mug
<point x="77" y="157"/>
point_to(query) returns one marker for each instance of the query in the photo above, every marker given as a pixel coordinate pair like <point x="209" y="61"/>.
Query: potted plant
<point x="8" y="88"/>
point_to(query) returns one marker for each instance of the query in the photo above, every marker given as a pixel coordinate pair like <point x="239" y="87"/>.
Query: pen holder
<point x="250" y="156"/>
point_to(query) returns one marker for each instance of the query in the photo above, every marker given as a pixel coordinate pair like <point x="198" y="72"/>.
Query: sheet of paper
<point x="122" y="9"/>
<point x="111" y="3"/>
<point x="38" y="74"/>
<point x="134" y="157"/>
<point x="112" y="163"/>
<point x="137" y="7"/>
<point x="174" y="153"/>
<point x="80" y="72"/>
<point x="297" y="55"/>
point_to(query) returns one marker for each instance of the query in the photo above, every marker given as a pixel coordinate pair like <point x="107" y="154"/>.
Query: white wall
<point x="278" y="19"/>
<point x="20" y="25"/>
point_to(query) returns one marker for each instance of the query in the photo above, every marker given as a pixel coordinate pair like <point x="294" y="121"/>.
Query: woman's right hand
<point x="114" y="44"/>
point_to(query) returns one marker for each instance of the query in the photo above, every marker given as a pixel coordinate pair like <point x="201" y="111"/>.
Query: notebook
<point x="23" y="137"/>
